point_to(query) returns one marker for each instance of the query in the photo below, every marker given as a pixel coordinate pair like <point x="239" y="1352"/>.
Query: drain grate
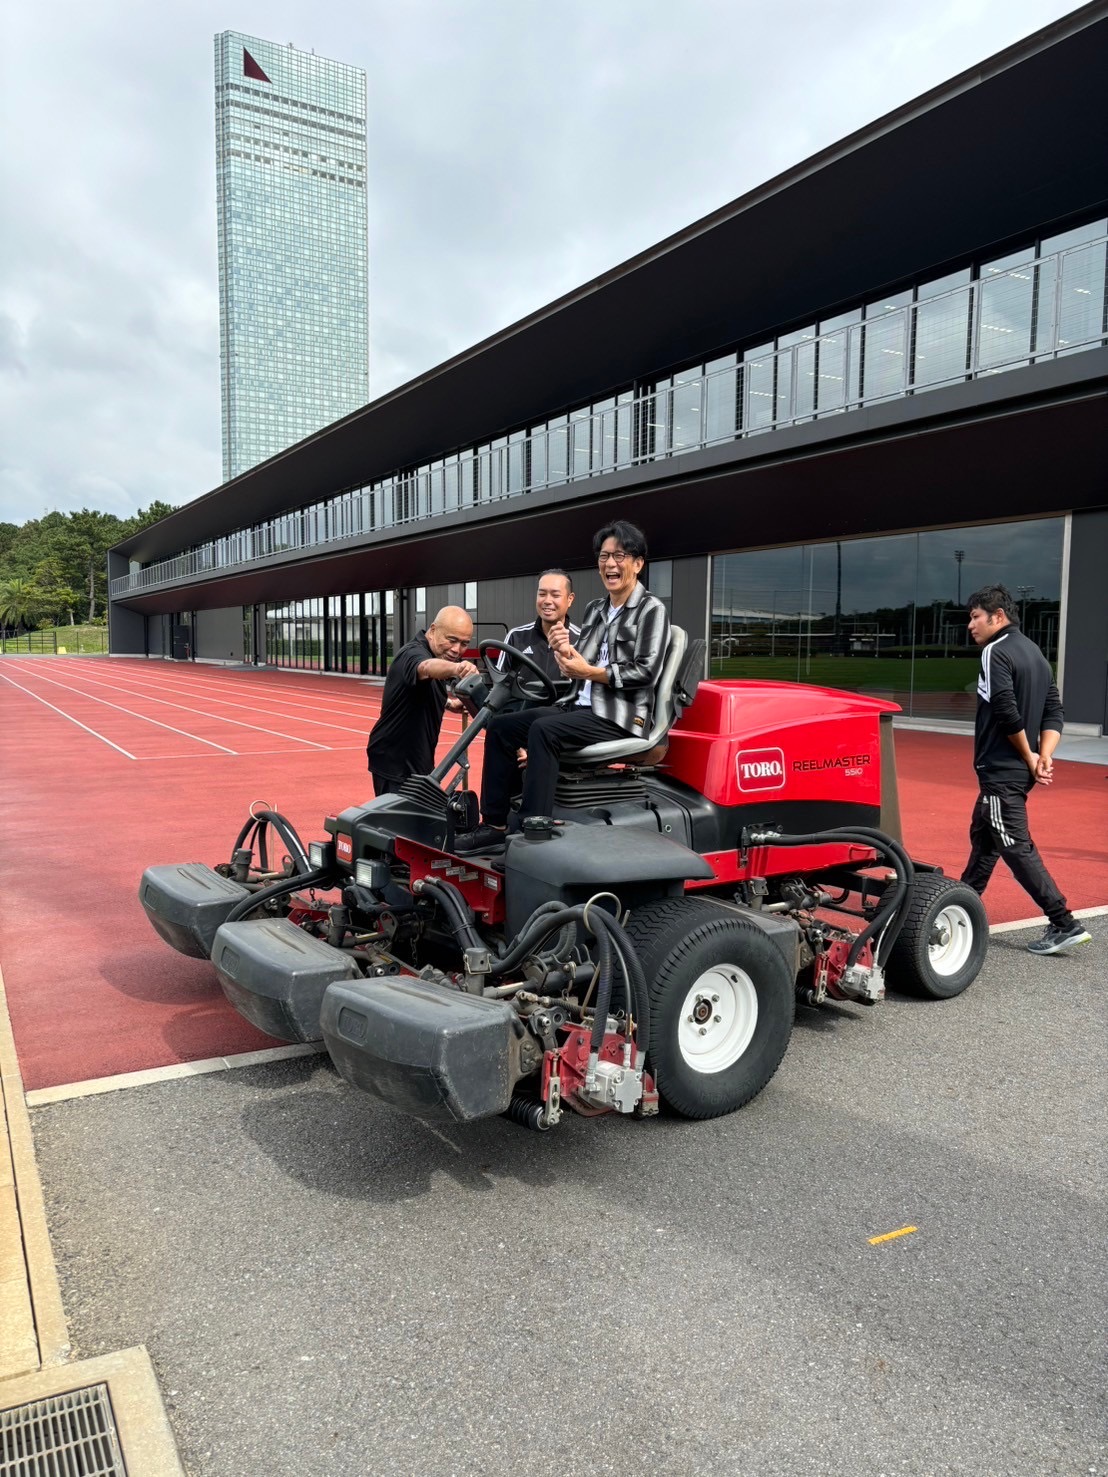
<point x="70" y="1435"/>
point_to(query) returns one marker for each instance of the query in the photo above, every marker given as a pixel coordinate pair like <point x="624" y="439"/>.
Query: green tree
<point x="20" y="602"/>
<point x="59" y="599"/>
<point x="144" y="517"/>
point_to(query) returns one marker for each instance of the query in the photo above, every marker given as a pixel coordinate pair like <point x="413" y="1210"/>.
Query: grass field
<point x="887" y="674"/>
<point x="59" y="641"/>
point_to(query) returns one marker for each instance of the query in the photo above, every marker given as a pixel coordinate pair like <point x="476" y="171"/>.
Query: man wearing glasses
<point x="402" y="741"/>
<point x="616" y="661"/>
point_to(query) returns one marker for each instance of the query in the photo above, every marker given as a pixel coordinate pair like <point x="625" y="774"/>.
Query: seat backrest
<point x="671" y="697"/>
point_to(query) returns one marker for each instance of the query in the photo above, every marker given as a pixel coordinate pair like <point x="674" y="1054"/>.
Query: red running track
<point x="108" y="766"/>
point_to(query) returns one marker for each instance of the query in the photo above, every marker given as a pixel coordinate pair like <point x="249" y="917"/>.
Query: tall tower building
<point x="293" y="255"/>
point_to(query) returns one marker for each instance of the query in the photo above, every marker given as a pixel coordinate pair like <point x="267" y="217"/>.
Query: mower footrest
<point x="275" y="975"/>
<point x="424" y="1048"/>
<point x="186" y="903"/>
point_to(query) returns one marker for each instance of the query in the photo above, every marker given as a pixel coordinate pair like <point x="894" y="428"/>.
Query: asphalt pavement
<point x="328" y="1287"/>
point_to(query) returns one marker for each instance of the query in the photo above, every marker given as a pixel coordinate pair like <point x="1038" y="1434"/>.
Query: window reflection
<point x="883" y="615"/>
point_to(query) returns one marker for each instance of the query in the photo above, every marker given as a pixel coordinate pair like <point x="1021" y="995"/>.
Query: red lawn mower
<point x="648" y="941"/>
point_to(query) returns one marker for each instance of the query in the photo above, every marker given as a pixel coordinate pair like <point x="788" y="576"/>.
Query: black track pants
<point x="545" y="733"/>
<point x="998" y="829"/>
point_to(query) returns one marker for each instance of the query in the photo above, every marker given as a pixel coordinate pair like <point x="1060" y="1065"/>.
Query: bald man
<point x="402" y="741"/>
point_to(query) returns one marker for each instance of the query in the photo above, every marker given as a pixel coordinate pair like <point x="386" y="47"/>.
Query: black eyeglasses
<point x="621" y="558"/>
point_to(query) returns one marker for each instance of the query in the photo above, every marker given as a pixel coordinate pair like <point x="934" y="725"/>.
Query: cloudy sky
<point x="516" y="149"/>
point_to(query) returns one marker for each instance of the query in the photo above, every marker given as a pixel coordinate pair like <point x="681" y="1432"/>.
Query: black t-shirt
<point x="402" y="741"/>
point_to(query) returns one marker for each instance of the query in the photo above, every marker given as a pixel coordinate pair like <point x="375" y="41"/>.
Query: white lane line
<point x="246" y="754"/>
<point x="41" y="1097"/>
<point x="91" y="697"/>
<point x="201" y="712"/>
<point x="223" y="701"/>
<point x="70" y="717"/>
<point x="264" y="692"/>
<point x="1042" y="919"/>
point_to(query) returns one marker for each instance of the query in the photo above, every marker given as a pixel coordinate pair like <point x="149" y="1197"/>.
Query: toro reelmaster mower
<point x="650" y="940"/>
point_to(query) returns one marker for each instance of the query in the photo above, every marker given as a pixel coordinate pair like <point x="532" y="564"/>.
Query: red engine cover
<point x="750" y="742"/>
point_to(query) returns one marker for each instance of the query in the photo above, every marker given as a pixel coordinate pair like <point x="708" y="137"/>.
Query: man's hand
<point x="572" y="664"/>
<point x="454" y="703"/>
<point x="1044" y="769"/>
<point x="463" y="669"/>
<point x="521" y="758"/>
<point x="557" y="638"/>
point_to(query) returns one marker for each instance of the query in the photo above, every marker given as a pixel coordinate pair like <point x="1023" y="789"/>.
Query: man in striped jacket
<point x="616" y="662"/>
<point x="1019" y="723"/>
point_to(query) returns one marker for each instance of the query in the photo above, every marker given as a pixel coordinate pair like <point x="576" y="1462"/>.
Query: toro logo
<point x="760" y="769"/>
<point x="344" y="848"/>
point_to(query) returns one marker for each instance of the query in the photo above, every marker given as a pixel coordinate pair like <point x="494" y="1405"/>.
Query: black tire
<point x="944" y="940"/>
<point x="682" y="942"/>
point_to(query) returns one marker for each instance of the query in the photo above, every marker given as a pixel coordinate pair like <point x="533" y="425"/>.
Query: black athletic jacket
<point x="1015" y="690"/>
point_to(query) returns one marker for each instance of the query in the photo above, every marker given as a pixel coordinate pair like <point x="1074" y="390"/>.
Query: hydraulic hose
<point x="283" y="828"/>
<point x="611" y="938"/>
<point x="288" y="835"/>
<point x="457" y="911"/>
<point x="241" y="910"/>
<point x="603" y="994"/>
<point x="542" y="922"/>
<point x="896" y="923"/>
<point x="894" y="854"/>
<point x="637" y="992"/>
<point x="253" y="834"/>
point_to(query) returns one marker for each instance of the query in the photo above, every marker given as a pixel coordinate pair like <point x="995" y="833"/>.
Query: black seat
<point x="682" y="668"/>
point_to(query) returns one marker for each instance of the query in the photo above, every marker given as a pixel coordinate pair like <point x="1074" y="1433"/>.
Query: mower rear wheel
<point x="942" y="945"/>
<point x="722" y="1000"/>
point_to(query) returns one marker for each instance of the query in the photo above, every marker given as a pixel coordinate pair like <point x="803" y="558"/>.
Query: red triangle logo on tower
<point x="250" y="68"/>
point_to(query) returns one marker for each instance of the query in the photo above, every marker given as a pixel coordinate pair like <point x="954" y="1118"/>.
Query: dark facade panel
<point x="1085" y="677"/>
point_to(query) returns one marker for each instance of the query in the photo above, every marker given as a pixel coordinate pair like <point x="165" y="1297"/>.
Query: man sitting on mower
<point x="616" y="662"/>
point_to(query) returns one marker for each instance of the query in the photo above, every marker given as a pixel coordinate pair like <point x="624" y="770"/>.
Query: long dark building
<point x="837" y="405"/>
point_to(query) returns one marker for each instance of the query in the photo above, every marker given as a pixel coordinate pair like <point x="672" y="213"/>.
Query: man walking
<point x="402" y="741"/>
<point x="1019" y="723"/>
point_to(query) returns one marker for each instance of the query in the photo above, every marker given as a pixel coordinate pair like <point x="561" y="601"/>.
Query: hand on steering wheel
<point x="516" y="658"/>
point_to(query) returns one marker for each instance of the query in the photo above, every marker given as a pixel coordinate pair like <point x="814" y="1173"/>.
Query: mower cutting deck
<point x="647" y="941"/>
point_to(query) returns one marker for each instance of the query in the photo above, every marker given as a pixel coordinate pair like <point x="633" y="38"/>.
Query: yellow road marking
<point x="892" y="1235"/>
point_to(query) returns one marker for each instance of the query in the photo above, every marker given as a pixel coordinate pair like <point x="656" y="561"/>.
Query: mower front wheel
<point x="942" y="945"/>
<point x="722" y="1000"/>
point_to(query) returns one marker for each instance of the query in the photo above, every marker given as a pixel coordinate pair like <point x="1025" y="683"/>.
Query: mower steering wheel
<point x="518" y="658"/>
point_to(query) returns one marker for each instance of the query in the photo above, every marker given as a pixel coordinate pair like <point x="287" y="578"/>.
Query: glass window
<point x="1006" y="311"/>
<point x="758" y="388"/>
<point x="471" y="596"/>
<point x="882" y="615"/>
<point x="885" y="347"/>
<point x="1073" y="297"/>
<point x="796" y="373"/>
<point x="941" y="346"/>
<point x="720" y="399"/>
<point x="688" y="398"/>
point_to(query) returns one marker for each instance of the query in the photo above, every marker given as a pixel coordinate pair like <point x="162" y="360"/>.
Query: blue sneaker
<point x="1058" y="940"/>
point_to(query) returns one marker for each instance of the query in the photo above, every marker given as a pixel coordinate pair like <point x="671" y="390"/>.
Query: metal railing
<point x="1039" y="309"/>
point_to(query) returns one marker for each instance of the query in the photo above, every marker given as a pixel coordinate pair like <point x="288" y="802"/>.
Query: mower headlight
<point x="321" y="854"/>
<point x="371" y="874"/>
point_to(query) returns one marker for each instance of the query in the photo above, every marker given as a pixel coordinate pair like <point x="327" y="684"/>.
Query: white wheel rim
<point x="718" y="1018"/>
<point x="951" y="942"/>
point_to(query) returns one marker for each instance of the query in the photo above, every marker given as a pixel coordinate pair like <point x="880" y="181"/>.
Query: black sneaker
<point x="482" y="840"/>
<point x="1057" y="940"/>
